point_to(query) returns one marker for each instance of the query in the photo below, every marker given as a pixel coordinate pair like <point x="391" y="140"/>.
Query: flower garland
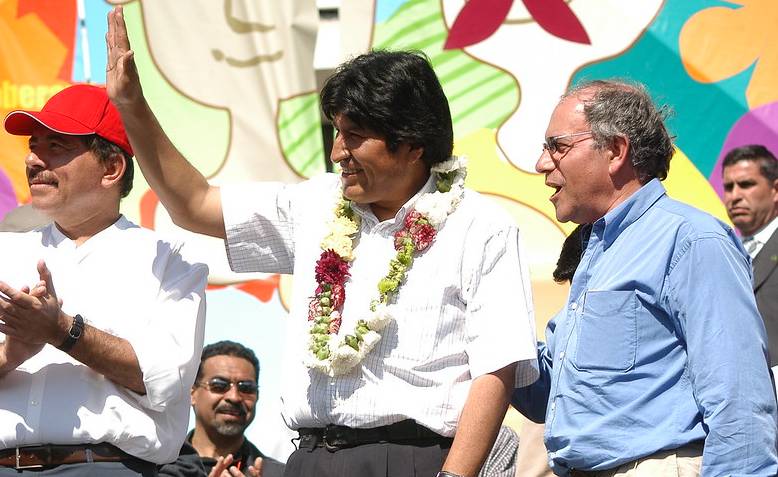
<point x="329" y="352"/>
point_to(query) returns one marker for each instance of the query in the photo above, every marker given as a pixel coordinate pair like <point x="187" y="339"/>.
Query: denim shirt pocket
<point x="607" y="331"/>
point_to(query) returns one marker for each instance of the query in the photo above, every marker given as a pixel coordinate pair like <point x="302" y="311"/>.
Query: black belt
<point x="335" y="437"/>
<point x="51" y="455"/>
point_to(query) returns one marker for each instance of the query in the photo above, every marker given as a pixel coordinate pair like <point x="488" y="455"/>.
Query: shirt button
<point x="34" y="403"/>
<point x="553" y="406"/>
<point x="562" y="355"/>
<point x="573" y="306"/>
<point x="332" y="383"/>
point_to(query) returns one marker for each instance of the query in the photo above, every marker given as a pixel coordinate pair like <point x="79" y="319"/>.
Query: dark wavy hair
<point x="228" y="348"/>
<point x="768" y="165"/>
<point x="617" y="108"/>
<point x="397" y="95"/>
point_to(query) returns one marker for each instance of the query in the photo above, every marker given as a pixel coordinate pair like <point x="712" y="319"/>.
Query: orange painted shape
<point x="60" y="17"/>
<point x="719" y="42"/>
<point x="261" y="289"/>
<point x="148" y="208"/>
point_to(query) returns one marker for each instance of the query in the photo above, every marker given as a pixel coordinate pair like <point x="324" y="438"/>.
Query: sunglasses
<point x="552" y="144"/>
<point x="221" y="386"/>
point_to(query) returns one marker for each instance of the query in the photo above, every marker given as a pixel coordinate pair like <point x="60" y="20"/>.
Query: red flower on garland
<point x="331" y="269"/>
<point x="399" y="239"/>
<point x="338" y="296"/>
<point x="335" y="325"/>
<point x="313" y="308"/>
<point x="422" y="235"/>
<point x="412" y="218"/>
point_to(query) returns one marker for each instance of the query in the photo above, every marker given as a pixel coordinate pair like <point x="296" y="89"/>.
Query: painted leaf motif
<point x="476" y="22"/>
<point x="557" y="18"/>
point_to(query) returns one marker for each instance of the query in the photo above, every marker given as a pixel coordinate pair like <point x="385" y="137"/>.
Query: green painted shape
<point x="299" y="131"/>
<point x="480" y="95"/>
<point x="703" y="113"/>
<point x="201" y="133"/>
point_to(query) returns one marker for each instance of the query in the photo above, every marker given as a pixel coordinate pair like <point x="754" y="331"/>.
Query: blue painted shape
<point x="384" y="9"/>
<point x="97" y="27"/>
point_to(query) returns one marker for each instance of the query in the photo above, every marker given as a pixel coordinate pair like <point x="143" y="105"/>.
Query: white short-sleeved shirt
<point x="130" y="283"/>
<point x="464" y="310"/>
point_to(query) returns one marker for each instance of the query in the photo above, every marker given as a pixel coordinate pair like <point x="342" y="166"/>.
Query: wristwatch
<point x="74" y="333"/>
<point x="444" y="473"/>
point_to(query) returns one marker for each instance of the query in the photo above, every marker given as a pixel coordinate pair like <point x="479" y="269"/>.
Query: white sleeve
<point x="168" y="348"/>
<point x="499" y="318"/>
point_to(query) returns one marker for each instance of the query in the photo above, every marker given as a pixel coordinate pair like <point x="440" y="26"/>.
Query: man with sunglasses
<point x="657" y="365"/>
<point x="224" y="399"/>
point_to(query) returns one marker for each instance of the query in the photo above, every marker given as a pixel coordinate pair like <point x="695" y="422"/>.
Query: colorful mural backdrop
<point x="232" y="82"/>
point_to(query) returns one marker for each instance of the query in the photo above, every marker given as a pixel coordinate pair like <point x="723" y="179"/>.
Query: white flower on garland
<point x="379" y="318"/>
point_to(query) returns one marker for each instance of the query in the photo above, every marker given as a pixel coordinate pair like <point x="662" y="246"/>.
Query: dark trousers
<point x="368" y="460"/>
<point x="128" y="468"/>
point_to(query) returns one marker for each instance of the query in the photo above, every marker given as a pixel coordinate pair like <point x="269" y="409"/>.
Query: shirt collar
<point x="629" y="211"/>
<point x="364" y="210"/>
<point x="57" y="236"/>
<point x="766" y="232"/>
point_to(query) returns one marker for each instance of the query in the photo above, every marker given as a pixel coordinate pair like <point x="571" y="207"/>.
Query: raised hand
<point x="33" y="316"/>
<point x="121" y="75"/>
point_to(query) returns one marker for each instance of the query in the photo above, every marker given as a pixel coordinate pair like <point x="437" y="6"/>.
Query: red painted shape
<point x="476" y="22"/>
<point x="59" y="16"/>
<point x="557" y="18"/>
<point x="148" y="208"/>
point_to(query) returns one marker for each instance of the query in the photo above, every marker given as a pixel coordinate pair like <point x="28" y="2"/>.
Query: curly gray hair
<point x="617" y="108"/>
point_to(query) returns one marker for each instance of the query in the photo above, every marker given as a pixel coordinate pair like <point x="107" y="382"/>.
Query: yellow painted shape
<point x="686" y="184"/>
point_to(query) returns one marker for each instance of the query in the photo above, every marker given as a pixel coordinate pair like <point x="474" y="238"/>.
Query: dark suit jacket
<point x="766" y="291"/>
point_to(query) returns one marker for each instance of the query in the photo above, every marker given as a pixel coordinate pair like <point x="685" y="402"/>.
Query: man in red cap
<point x="93" y="372"/>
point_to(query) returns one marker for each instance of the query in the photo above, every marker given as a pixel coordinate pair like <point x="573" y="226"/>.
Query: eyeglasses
<point x="221" y="386"/>
<point x="552" y="144"/>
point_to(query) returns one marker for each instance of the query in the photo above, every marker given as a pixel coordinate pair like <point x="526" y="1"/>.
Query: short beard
<point x="230" y="429"/>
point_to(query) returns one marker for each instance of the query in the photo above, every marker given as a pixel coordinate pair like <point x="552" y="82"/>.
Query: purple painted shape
<point x="7" y="195"/>
<point x="758" y="126"/>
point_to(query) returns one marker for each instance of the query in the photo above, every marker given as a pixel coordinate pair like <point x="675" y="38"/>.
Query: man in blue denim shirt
<point x="659" y="358"/>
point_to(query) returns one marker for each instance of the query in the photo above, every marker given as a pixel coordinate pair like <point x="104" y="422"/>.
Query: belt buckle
<point x="333" y="439"/>
<point x="22" y="467"/>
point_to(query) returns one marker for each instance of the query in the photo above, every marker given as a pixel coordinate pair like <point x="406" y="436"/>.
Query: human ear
<point x="114" y="168"/>
<point x="619" y="154"/>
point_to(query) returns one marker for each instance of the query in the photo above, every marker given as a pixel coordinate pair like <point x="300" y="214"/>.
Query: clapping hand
<point x="32" y="317"/>
<point x="224" y="468"/>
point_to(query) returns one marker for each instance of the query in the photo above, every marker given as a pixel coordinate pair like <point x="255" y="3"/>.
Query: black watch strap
<point x="74" y="333"/>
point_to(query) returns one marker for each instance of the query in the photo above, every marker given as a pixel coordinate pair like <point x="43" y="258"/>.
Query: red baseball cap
<point x="77" y="110"/>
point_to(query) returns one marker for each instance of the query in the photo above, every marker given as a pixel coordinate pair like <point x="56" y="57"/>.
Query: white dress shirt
<point x="464" y="310"/>
<point x="754" y="243"/>
<point x="128" y="282"/>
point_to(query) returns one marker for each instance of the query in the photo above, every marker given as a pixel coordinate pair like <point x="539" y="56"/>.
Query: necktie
<point x="750" y="244"/>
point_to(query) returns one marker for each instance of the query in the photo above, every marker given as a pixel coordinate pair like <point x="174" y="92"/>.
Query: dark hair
<point x="618" y="108"/>
<point x="228" y="348"/>
<point x="768" y="165"/>
<point x="570" y="255"/>
<point x="104" y="149"/>
<point x="397" y="95"/>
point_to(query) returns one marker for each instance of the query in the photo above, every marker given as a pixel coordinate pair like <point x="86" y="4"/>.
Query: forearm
<point x="111" y="356"/>
<point x="480" y="421"/>
<point x="186" y="194"/>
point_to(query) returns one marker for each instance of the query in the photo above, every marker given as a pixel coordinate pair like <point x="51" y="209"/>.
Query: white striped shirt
<point x="464" y="310"/>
